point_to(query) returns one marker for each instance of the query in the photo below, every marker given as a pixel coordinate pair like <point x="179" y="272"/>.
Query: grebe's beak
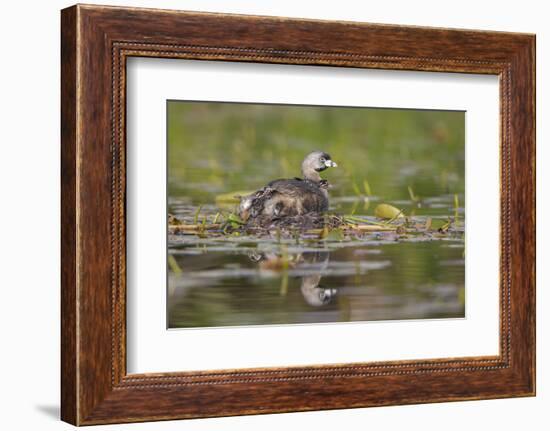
<point x="330" y="164"/>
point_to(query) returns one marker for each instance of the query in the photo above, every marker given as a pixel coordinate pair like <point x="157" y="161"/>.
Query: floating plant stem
<point x="366" y="204"/>
<point x="356" y="189"/>
<point x="445" y="227"/>
<point x="414" y="197"/>
<point x="284" y="267"/>
<point x="374" y="228"/>
<point x="366" y="187"/>
<point x="399" y="214"/>
<point x="355" y="220"/>
<point x="202" y="232"/>
<point x="174" y="265"/>
<point x="354" y="207"/>
<point x="195" y="220"/>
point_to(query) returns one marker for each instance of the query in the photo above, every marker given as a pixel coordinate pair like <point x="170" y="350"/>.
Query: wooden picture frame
<point x="95" y="43"/>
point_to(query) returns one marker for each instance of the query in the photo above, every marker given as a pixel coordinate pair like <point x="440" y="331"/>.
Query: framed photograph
<point x="264" y="215"/>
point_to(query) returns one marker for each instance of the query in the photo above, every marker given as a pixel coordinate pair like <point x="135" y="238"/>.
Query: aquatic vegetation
<point x="414" y="198"/>
<point x="325" y="227"/>
<point x="387" y="211"/>
<point x="366" y="187"/>
<point x="173" y="263"/>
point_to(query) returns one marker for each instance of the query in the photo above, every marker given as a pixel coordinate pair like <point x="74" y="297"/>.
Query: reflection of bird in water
<point x="292" y="197"/>
<point x="314" y="294"/>
<point x="312" y="265"/>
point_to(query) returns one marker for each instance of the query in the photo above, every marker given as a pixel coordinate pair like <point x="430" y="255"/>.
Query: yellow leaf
<point x="387" y="211"/>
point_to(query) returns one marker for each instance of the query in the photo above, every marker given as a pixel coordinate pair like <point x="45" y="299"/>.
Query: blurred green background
<point x="219" y="147"/>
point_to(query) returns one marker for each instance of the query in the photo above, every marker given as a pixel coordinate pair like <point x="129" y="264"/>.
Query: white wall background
<point x="29" y="214"/>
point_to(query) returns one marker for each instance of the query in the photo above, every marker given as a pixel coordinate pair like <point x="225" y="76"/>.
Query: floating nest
<point x="317" y="225"/>
<point x="300" y="222"/>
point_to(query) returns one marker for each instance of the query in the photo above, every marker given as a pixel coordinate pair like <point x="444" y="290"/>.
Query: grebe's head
<point x="316" y="162"/>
